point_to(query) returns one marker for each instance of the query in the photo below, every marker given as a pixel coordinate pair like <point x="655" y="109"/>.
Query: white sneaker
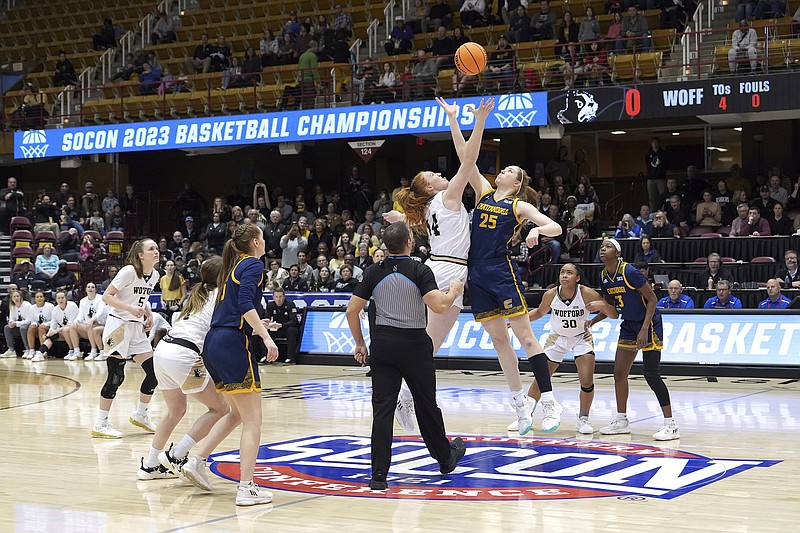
<point x="173" y="464"/>
<point x="38" y="357"/>
<point x="71" y="356"/>
<point x="153" y="472"/>
<point x="104" y="430"/>
<point x="195" y="472"/>
<point x="583" y="426"/>
<point x="404" y="412"/>
<point x="92" y="355"/>
<point x="552" y="416"/>
<point x="102" y="356"/>
<point x="252" y="494"/>
<point x="668" y="432"/>
<point x="9" y="353"/>
<point x="28" y="354"/>
<point x="513" y="426"/>
<point x="143" y="421"/>
<point x="524" y="411"/>
<point x="617" y="427"/>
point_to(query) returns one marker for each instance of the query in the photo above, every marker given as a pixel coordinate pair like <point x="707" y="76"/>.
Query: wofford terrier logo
<point x="494" y="468"/>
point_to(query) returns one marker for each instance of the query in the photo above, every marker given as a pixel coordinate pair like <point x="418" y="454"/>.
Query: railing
<point x="145" y="25"/>
<point x="372" y="37"/>
<point x="107" y="64"/>
<point x="355" y="50"/>
<point x="127" y="45"/>
<point x="85" y="79"/>
<point x="65" y="103"/>
<point x="164" y="5"/>
<point x="388" y="18"/>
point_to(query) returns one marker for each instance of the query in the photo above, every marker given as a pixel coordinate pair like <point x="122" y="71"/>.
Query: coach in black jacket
<point x="282" y="314"/>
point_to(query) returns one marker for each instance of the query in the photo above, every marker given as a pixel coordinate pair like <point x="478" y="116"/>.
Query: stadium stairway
<point x="5" y="264"/>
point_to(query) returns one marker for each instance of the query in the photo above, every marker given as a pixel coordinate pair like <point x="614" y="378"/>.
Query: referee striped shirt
<point x="397" y="286"/>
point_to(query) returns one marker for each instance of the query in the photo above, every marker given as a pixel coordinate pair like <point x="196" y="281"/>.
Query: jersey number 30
<point x="488" y="221"/>
<point x="569" y="324"/>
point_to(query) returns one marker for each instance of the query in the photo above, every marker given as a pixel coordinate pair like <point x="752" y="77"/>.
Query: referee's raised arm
<point x="402" y="290"/>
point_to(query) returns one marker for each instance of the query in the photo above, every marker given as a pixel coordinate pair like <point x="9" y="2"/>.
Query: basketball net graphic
<point x="342" y="341"/>
<point x="34" y="144"/>
<point x="515" y="110"/>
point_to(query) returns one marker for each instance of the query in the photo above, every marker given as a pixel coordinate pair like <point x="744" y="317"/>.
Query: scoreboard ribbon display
<point x="719" y="96"/>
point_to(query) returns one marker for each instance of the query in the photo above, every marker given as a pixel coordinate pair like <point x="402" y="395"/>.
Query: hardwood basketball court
<point x="59" y="479"/>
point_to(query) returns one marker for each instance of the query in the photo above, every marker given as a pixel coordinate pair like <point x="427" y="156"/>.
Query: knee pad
<point x="590" y="388"/>
<point x="116" y="375"/>
<point x="149" y="383"/>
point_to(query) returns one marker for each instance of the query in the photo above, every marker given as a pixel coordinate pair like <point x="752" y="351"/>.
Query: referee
<point x="401" y="349"/>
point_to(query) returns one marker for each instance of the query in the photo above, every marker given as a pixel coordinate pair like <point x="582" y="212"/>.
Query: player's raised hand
<point x="393" y="216"/>
<point x="450" y="109"/>
<point x="483" y="109"/>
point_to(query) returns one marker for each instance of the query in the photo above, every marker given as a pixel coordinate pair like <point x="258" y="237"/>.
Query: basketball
<point x="471" y="59"/>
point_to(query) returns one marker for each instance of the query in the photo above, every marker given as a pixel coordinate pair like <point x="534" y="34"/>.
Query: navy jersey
<point x="494" y="224"/>
<point x="241" y="293"/>
<point x="622" y="285"/>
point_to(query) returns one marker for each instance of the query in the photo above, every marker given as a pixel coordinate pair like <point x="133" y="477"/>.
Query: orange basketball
<point x="471" y="59"/>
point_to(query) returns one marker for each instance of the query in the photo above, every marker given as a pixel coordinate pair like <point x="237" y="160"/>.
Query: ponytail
<point x="414" y="201"/>
<point x="238" y="244"/>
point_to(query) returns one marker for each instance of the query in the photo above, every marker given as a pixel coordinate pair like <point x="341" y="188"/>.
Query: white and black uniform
<point x="124" y="333"/>
<point x="62" y="317"/>
<point x="567" y="322"/>
<point x="449" y="237"/>
<point x="41" y="315"/>
<point x="87" y="309"/>
<point x="177" y="360"/>
<point x="159" y="323"/>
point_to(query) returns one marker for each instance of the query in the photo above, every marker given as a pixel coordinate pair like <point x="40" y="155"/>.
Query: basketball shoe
<point x="9" y="353"/>
<point x="92" y="354"/>
<point x="583" y="426"/>
<point x="104" y="430"/>
<point x="143" y="421"/>
<point x="552" y="416"/>
<point x="173" y="464"/>
<point x="617" y="427"/>
<point x="28" y="354"/>
<point x="668" y="432"/>
<point x="195" y="472"/>
<point x="252" y="494"/>
<point x="524" y="409"/>
<point x="404" y="412"/>
<point x="38" y="357"/>
<point x="457" y="451"/>
<point x="153" y="472"/>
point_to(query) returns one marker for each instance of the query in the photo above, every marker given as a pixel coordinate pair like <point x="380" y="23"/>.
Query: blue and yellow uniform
<point x="226" y="352"/>
<point x="494" y="288"/>
<point x="623" y="286"/>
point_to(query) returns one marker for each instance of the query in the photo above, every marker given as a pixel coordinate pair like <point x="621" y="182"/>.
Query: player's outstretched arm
<point x="601" y="315"/>
<point x="544" y="305"/>
<point x="596" y="304"/>
<point x="545" y="225"/>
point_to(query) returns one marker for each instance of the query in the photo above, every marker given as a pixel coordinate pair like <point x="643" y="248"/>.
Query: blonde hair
<point x="209" y="274"/>
<point x="414" y="200"/>
<point x="133" y="256"/>
<point x="238" y="244"/>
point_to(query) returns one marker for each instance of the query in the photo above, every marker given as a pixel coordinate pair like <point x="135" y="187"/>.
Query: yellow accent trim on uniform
<point x="514" y="208"/>
<point x="516" y="285"/>
<point x="242" y="257"/>
<point x="488" y="191"/>
<point x="504" y="313"/>
<point x="249" y="384"/>
<point x="654" y="344"/>
<point x="624" y="277"/>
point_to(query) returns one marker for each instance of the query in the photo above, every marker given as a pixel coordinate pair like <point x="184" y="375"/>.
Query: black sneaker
<point x="457" y="451"/>
<point x="378" y="481"/>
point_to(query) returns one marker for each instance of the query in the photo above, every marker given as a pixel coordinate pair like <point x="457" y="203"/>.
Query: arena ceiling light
<point x="737" y="128"/>
<point x="618" y="132"/>
<point x="716" y="149"/>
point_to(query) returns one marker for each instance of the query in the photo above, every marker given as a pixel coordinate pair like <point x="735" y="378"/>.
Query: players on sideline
<point x="570" y="304"/>
<point x="433" y="206"/>
<point x="625" y="288"/>
<point x="125" y="335"/>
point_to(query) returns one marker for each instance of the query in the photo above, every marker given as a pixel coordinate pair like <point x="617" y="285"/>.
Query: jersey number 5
<point x="488" y="221"/>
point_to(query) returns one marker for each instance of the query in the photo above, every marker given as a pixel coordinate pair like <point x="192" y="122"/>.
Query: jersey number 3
<point x="488" y="221"/>
<point x="620" y="301"/>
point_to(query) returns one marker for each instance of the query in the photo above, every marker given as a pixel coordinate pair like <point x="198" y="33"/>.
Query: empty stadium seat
<point x="762" y="259"/>
<point x="20" y="223"/>
<point x="711" y="235"/>
<point x="20" y="253"/>
<point x="45" y="237"/>
<point x="699" y="231"/>
<point x="22" y="237"/>
<point x="115" y="241"/>
<point x="728" y="260"/>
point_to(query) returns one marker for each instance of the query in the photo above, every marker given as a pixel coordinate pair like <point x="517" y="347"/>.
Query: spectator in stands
<point x="281" y="315"/>
<point x="338" y="259"/>
<point x="363" y="258"/>
<point x="401" y="38"/>
<point x="275" y="275"/>
<point x="369" y="220"/>
<point x="24" y="276"/>
<point x="268" y="47"/>
<point x="473" y="13"/>
<point x="291" y="243"/>
<point x="221" y="55"/>
<point x="12" y="203"/>
<point x="676" y="298"/>
<point x="789" y="275"/>
<point x="691" y="190"/>
<point x="309" y="76"/>
<point x="519" y="25"/>
<point x="645" y="220"/>
<point x="501" y="67"/>
<point x="324" y="281"/>
<point x="72" y="216"/>
<point x="744" y="43"/>
<point x="614" y="34"/>
<point x="294" y="282"/>
<point x="164" y="31"/>
<point x="128" y="201"/>
<point x="556" y="244"/>
<point x="173" y="290"/>
<point x="755" y="225"/>
<point x="567" y="35"/>
<point x="215" y="233"/>
<point x="724" y="197"/>
<point x="627" y="228"/>
<point x="417" y="15"/>
<point x="443" y="48"/>
<point x="97" y="223"/>
<point x="776" y="7"/>
<point x="189" y="231"/>
<point x="709" y="212"/>
<point x="109" y="201"/>
<point x="69" y="245"/>
<point x="112" y="272"/>
<point x="303" y="38"/>
<point x="635" y="31"/>
<point x="662" y="227"/>
<point x="713" y="272"/>
<point x="232" y="76"/>
<point x="237" y="215"/>
<point x="46" y="264"/>
<point x="272" y="236"/>
<point x="116" y="220"/>
<point x="346" y="281"/>
<point x="321" y="234"/>
<point x="678" y="215"/>
<point x="774" y="300"/>
<point x="440" y="14"/>
<point x="201" y="58"/>
<point x="724" y="299"/>
<point x="342" y="22"/>
<point x="251" y="68"/>
<point x="776" y="192"/>
<point x="46" y="216"/>
<point x="595" y="69"/>
<point x="543" y="23"/>
<point x="149" y="79"/>
<point x="647" y="254"/>
<point x="346" y="243"/>
<point x="590" y="27"/>
<point x="60" y="197"/>
<point x="765" y="202"/>
<point x="305" y="270"/>
<point x="779" y="224"/>
<point x="175" y="243"/>
<point x="738" y="223"/>
<point x="64" y="73"/>
<point x="88" y="248"/>
<point x="368" y="236"/>
<point x="745" y="9"/>
<point x="185" y="251"/>
<point x="106" y="37"/>
<point x="365" y="81"/>
<point x="292" y="26"/>
<point x="90" y="201"/>
<point x="657" y="163"/>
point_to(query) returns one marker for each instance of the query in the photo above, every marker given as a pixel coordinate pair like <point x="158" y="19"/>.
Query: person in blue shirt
<point x="624" y="287"/>
<point x="724" y="299"/>
<point x="628" y="228"/>
<point x="775" y="300"/>
<point x="676" y="298"/>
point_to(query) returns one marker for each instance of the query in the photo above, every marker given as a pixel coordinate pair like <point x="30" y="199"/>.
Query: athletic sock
<point x="102" y="416"/>
<point x="181" y="450"/>
<point x="547" y="397"/>
<point x="141" y="408"/>
<point x="518" y="395"/>
<point x="668" y="421"/>
<point x="622" y="416"/>
<point x="152" y="458"/>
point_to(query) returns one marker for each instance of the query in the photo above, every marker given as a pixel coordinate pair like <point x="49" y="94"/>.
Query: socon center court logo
<point x="494" y="468"/>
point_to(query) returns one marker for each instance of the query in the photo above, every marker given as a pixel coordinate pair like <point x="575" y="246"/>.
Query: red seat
<point x="21" y="252"/>
<point x="701" y="260"/>
<point x="19" y="223"/>
<point x="22" y="237"/>
<point x="62" y="234"/>
<point x="115" y="236"/>
<point x="728" y="260"/>
<point x="699" y="231"/>
<point x="711" y="235"/>
<point x="45" y="237"/>
<point x="95" y="235"/>
<point x="762" y="259"/>
<point x="725" y="230"/>
<point x="115" y="241"/>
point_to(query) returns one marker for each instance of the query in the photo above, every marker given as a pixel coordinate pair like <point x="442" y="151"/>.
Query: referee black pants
<point x="397" y="354"/>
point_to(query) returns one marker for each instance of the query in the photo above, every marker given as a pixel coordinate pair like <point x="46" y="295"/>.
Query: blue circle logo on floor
<point x="494" y="468"/>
